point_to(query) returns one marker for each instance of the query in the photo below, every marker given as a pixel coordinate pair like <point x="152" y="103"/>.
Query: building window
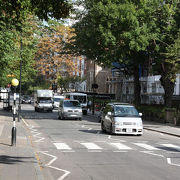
<point x="153" y="87"/>
<point x="144" y="89"/>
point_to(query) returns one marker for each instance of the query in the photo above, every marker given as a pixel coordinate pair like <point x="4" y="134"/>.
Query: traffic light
<point x="54" y="87"/>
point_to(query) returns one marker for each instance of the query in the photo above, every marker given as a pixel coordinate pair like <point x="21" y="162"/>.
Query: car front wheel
<point x="111" y="129"/>
<point x="102" y="127"/>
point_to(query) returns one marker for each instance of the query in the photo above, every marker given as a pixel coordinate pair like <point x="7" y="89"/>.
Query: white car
<point x="70" y="109"/>
<point x="119" y="118"/>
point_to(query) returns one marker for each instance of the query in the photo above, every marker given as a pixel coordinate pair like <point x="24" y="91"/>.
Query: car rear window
<point x="71" y="104"/>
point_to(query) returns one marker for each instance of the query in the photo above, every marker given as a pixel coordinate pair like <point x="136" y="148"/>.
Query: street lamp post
<point x="19" y="106"/>
<point x="15" y="83"/>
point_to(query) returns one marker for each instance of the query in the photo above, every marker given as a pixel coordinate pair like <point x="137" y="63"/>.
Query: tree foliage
<point x="12" y="54"/>
<point x="51" y="57"/>
<point x="64" y="82"/>
<point x="16" y="23"/>
<point x="15" y="11"/>
<point x="130" y="32"/>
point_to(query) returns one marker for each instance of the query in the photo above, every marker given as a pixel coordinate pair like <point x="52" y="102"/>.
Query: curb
<point x="171" y="134"/>
<point x="37" y="164"/>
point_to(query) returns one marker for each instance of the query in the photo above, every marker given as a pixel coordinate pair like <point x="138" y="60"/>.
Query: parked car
<point x="26" y="100"/>
<point x="119" y="118"/>
<point x="69" y="109"/>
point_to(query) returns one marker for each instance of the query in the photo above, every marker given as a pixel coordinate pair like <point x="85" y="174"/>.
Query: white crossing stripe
<point x="62" y="146"/>
<point x="91" y="146"/>
<point x="146" y="146"/>
<point x="172" y="146"/>
<point x="120" y="146"/>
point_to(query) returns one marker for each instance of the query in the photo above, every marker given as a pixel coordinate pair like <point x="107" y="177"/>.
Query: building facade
<point x="123" y="87"/>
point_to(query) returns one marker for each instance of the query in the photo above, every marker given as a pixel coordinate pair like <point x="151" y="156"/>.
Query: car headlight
<point x="139" y="123"/>
<point x="118" y="123"/>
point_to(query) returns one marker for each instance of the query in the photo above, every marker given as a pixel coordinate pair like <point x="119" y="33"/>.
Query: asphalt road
<point x="78" y="150"/>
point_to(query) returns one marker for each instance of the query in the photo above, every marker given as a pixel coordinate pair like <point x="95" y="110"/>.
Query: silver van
<point x="121" y="118"/>
<point x="70" y="109"/>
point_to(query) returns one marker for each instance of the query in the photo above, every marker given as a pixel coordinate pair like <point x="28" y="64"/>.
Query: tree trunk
<point x="168" y="86"/>
<point x="137" y="86"/>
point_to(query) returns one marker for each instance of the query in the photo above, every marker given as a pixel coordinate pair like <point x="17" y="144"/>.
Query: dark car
<point x="26" y="100"/>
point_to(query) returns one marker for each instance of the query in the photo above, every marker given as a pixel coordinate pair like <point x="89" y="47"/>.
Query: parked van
<point x="69" y="109"/>
<point x="81" y="97"/>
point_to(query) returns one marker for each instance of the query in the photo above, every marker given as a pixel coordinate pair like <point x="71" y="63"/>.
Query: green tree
<point x="64" y="82"/>
<point x="15" y="12"/>
<point x="130" y="32"/>
<point x="14" y="22"/>
<point x="10" y="61"/>
<point x="165" y="46"/>
<point x="116" y="31"/>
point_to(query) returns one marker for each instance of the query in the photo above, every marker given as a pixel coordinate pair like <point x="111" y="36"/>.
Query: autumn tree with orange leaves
<point x="52" y="60"/>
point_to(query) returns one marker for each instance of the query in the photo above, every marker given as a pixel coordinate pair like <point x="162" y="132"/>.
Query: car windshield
<point x="71" y="104"/>
<point x="57" y="99"/>
<point x="125" y="111"/>
<point x="45" y="100"/>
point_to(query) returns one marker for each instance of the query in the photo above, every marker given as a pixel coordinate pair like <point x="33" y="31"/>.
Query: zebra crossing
<point x="114" y="146"/>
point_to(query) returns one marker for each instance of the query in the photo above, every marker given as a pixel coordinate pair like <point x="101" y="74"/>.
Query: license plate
<point x="129" y="130"/>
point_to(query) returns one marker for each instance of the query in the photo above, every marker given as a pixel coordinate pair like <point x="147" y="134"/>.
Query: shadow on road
<point x="14" y="159"/>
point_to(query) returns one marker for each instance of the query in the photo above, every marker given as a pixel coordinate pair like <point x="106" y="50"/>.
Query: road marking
<point x="172" y="146"/>
<point x="146" y="146"/>
<point x="169" y="162"/>
<point x="94" y="151"/>
<point x="119" y="151"/>
<point x="91" y="146"/>
<point x="68" y="151"/>
<point x="120" y="146"/>
<point x="152" y="153"/>
<point x="25" y="122"/>
<point x="54" y="158"/>
<point x="62" y="146"/>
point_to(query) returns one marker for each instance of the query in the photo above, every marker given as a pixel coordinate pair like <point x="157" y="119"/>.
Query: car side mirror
<point x="140" y="114"/>
<point x="109" y="113"/>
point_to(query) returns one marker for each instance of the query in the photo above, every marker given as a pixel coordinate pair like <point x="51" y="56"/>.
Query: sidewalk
<point x="16" y="162"/>
<point x="155" y="126"/>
